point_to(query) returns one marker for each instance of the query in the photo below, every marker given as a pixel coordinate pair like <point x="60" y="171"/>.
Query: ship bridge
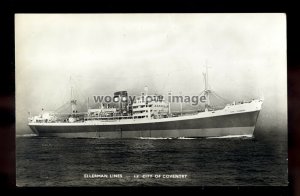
<point x="150" y="106"/>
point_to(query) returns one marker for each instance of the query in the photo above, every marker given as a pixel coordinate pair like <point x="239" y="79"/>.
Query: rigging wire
<point x="77" y="93"/>
<point x="225" y="100"/>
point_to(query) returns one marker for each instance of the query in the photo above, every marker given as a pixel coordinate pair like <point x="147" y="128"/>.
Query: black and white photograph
<point x="156" y="99"/>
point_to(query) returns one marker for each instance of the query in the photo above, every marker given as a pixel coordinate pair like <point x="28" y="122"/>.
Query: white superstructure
<point x="150" y="106"/>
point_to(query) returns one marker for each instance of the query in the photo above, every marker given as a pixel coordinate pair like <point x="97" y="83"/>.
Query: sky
<point x="99" y="54"/>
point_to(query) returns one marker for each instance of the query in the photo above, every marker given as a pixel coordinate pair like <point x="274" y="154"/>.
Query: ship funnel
<point x="122" y="101"/>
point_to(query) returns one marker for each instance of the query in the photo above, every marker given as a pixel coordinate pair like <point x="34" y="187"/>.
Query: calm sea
<point x="261" y="160"/>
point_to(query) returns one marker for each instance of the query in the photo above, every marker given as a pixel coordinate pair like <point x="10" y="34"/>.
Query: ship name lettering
<point x="95" y="176"/>
<point x="115" y="176"/>
<point x="175" y="176"/>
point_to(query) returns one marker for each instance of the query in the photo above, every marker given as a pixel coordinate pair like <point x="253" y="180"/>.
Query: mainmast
<point x="72" y="100"/>
<point x="169" y="102"/>
<point x="180" y="93"/>
<point x="206" y="90"/>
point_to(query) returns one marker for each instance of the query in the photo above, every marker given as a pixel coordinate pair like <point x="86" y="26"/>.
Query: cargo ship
<point x="150" y="118"/>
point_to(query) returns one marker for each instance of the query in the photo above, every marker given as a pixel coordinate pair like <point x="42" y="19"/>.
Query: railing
<point x="107" y="118"/>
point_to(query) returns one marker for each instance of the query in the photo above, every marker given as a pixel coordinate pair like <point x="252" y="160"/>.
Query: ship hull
<point x="215" y="126"/>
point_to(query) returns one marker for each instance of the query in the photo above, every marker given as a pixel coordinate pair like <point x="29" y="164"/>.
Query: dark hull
<point x="231" y="124"/>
